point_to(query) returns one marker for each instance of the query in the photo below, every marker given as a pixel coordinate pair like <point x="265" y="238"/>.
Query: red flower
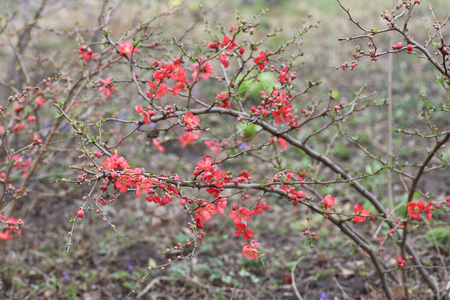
<point x="86" y="52"/>
<point x="158" y="89"/>
<point x="261" y="59"/>
<point x="328" y="200"/>
<point x="223" y="100"/>
<point x="401" y="262"/>
<point x="5" y="236"/>
<point x="414" y="209"/>
<point x="242" y="229"/>
<point x="284" y="112"/>
<point x="127" y="48"/>
<point x="107" y="87"/>
<point x="360" y="213"/>
<point x="114" y="162"/>
<point x="241" y="213"/>
<point x="428" y="211"/>
<point x="177" y="87"/>
<point x="143" y="186"/>
<point x="204" y="165"/>
<point x="228" y="41"/>
<point x="192" y="121"/>
<point x="13" y="228"/>
<point x="143" y="113"/>
<point x="201" y="70"/>
<point x="122" y="183"/>
<point x="158" y="146"/>
<point x="40" y="101"/>
<point x="258" y="208"/>
<point x="161" y="201"/>
<point x="282" y="142"/>
<point x="224" y="60"/>
<point x="189" y="137"/>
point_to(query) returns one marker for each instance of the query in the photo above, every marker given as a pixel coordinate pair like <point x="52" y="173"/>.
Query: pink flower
<point x="5" y="236"/>
<point x="86" y="52"/>
<point x="127" y="48"/>
<point x="249" y="250"/>
<point x="122" y="183"/>
<point x="40" y="101"/>
<point x="158" y="146"/>
<point x="228" y="41"/>
<point x="114" y="162"/>
<point x="213" y="145"/>
<point x="31" y="119"/>
<point x="328" y="200"/>
<point x="177" y="87"/>
<point x="143" y="186"/>
<point x="107" y="87"/>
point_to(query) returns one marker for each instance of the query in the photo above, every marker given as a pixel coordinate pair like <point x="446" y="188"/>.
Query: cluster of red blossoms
<point x="145" y="114"/>
<point x="361" y="214"/>
<point x="399" y="46"/>
<point x="286" y="77"/>
<point x="13" y="225"/>
<point x="165" y="71"/>
<point x="224" y="100"/>
<point x="124" y="178"/>
<point x="401" y="262"/>
<point x="22" y="114"/>
<point x="192" y="130"/>
<point x="207" y="173"/>
<point x="229" y="45"/>
<point x="19" y="162"/>
<point x="292" y="194"/>
<point x="241" y="217"/>
<point x="278" y="105"/>
<point x="415" y="208"/>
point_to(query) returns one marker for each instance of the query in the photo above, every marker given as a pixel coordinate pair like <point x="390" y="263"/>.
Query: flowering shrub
<point x="205" y="94"/>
